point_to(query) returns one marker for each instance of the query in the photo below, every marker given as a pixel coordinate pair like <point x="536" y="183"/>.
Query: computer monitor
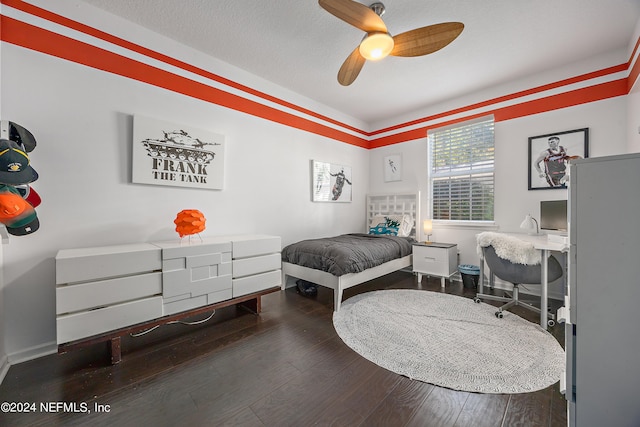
<point x="553" y="215"/>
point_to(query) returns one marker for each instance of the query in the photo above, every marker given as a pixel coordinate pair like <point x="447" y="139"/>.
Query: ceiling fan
<point x="378" y="43"/>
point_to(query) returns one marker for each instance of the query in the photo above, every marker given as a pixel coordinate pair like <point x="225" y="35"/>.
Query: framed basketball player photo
<point x="549" y="157"/>
<point x="331" y="182"/>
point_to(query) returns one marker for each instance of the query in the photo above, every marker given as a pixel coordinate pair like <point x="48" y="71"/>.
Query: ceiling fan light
<point x="376" y="46"/>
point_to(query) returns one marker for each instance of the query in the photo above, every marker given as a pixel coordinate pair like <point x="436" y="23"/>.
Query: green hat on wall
<point x="15" y="166"/>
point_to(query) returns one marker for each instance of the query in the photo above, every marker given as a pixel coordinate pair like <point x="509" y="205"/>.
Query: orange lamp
<point x="189" y="221"/>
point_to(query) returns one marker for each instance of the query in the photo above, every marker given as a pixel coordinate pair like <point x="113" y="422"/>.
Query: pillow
<point x="406" y="225"/>
<point x="380" y="225"/>
<point x="380" y="230"/>
<point x="399" y="225"/>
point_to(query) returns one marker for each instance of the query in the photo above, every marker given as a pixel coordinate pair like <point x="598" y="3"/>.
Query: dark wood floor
<point x="286" y="367"/>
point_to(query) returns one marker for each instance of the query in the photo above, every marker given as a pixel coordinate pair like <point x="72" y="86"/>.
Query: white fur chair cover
<point x="509" y="248"/>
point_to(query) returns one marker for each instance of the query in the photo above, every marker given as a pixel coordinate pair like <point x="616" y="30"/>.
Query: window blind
<point x="462" y="171"/>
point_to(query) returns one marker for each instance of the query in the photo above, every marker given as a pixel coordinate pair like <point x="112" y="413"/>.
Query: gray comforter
<point x="347" y="253"/>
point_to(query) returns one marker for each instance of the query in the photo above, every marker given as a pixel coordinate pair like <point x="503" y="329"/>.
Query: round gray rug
<point x="450" y="341"/>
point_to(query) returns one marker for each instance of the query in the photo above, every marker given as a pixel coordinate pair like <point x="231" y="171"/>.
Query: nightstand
<point x="435" y="259"/>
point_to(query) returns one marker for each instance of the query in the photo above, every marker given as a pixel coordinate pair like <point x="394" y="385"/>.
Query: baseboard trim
<point x="33" y="353"/>
<point x="4" y="367"/>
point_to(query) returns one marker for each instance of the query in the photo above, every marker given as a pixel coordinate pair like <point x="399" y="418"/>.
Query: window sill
<point x="465" y="225"/>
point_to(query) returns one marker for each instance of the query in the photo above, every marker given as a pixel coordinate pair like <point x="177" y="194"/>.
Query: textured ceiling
<point x="298" y="45"/>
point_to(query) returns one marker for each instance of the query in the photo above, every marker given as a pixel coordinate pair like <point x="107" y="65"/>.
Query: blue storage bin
<point x="470" y="275"/>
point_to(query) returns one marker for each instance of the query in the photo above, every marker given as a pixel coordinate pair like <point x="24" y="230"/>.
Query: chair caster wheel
<point x="477" y="300"/>
<point x="499" y="314"/>
<point x="551" y="322"/>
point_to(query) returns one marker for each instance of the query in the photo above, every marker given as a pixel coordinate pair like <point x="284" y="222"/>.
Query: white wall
<point x="606" y="121"/>
<point x="82" y="120"/>
<point x="414" y="157"/>
<point x="633" y="117"/>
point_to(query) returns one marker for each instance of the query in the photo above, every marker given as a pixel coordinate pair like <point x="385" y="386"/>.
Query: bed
<point x="296" y="264"/>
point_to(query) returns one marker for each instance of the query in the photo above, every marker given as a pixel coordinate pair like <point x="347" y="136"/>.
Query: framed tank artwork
<point x="177" y="155"/>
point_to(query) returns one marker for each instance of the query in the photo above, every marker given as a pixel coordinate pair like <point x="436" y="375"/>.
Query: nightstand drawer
<point x="431" y="254"/>
<point x="430" y="265"/>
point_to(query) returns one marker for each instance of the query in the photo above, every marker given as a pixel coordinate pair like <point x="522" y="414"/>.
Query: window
<point x="461" y="171"/>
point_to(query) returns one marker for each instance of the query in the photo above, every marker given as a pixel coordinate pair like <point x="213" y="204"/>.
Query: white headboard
<point x="394" y="204"/>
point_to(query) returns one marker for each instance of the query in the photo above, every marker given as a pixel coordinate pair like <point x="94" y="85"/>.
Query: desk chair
<point x="517" y="274"/>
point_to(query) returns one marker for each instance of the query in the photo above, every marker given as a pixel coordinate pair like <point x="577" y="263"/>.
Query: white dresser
<point x="104" y="292"/>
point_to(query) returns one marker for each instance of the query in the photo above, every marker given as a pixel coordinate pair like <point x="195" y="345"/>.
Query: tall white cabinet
<point x="603" y="331"/>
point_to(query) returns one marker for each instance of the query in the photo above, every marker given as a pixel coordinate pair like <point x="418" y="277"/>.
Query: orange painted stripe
<point x="633" y="76"/>
<point x="510" y="97"/>
<point x="635" y="68"/>
<point x="31" y="37"/>
<point x="572" y="98"/>
<point x="635" y="49"/>
<point x="575" y="97"/>
<point x="75" y="25"/>
<point x="419" y="133"/>
<point x="40" y="40"/>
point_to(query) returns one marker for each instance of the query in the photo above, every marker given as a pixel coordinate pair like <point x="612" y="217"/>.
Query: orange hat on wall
<point x="16" y="213"/>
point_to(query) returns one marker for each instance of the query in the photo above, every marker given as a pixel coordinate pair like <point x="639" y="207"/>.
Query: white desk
<point x="542" y="243"/>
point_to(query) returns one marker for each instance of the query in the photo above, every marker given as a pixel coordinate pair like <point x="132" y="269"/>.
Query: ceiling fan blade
<point x="351" y="68"/>
<point x="354" y="13"/>
<point x="426" y="40"/>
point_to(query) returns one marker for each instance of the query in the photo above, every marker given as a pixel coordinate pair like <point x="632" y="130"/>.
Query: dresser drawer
<point x="259" y="282"/>
<point x="248" y="246"/>
<point x="86" y="264"/>
<point x="181" y="250"/>
<point x="197" y="270"/>
<point x="180" y="282"/>
<point x="258" y="264"/>
<point x="186" y="302"/>
<point x="82" y="296"/>
<point x="84" y="324"/>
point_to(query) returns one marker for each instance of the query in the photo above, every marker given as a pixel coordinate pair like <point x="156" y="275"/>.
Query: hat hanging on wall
<point x="189" y="221"/>
<point x="18" y="216"/>
<point x="17" y="198"/>
<point x="29" y="194"/>
<point x="15" y="132"/>
<point x="15" y="166"/>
